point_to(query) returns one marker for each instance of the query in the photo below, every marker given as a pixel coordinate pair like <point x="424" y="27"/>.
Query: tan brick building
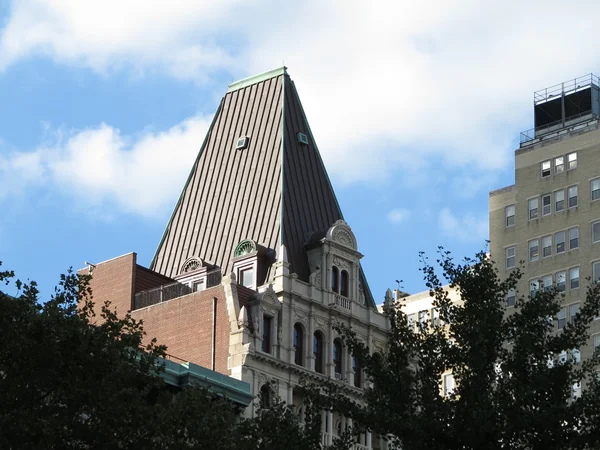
<point x="550" y="217"/>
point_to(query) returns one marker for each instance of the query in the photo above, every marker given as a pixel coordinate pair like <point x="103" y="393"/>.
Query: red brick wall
<point x="185" y="326"/>
<point x="113" y="280"/>
<point x="148" y="279"/>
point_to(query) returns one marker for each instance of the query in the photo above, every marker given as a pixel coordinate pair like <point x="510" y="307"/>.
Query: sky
<point x="416" y="108"/>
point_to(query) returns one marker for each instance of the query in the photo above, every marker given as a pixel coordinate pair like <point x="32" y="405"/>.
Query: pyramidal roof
<point x="274" y="191"/>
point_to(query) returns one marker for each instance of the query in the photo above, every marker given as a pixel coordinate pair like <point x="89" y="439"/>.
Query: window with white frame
<point x="509" y="213"/>
<point x="436" y="317"/>
<point x="596" y="271"/>
<point x="596" y="343"/>
<point x="595" y="186"/>
<point x="532" y="206"/>
<point x="546" y="246"/>
<point x="559" y="239"/>
<point x="511" y="297"/>
<point x="199" y="285"/>
<point x="448" y="384"/>
<point x="546" y="204"/>
<point x="534" y="249"/>
<point x="573" y="238"/>
<point x="574" y="277"/>
<point x="559" y="164"/>
<point x="511" y="259"/>
<point x="559" y="200"/>
<point x="572" y="160"/>
<point x="562" y="318"/>
<point x="423" y="318"/>
<point x="546" y="169"/>
<point x="573" y="310"/>
<point x="596" y="231"/>
<point x="562" y="357"/>
<point x="534" y="287"/>
<point x="411" y="319"/>
<point x="547" y="282"/>
<point x="572" y="196"/>
<point x="576" y="390"/>
<point x="576" y="356"/>
<point x="561" y="280"/>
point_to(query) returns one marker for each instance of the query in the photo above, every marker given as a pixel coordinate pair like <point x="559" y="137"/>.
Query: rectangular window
<point x="547" y="282"/>
<point x="576" y="390"/>
<point x="562" y="357"/>
<point x="572" y="160"/>
<point x="559" y="200"/>
<point x="576" y="356"/>
<point x="573" y="238"/>
<point x="510" y="257"/>
<point x="423" y="318"/>
<point x="411" y="319"/>
<point x="266" y="334"/>
<point x="511" y="297"/>
<point x="573" y="310"/>
<point x="596" y="343"/>
<point x="534" y="250"/>
<point x="572" y="196"/>
<point x="546" y="246"/>
<point x="546" y="169"/>
<point x="574" y="277"/>
<point x="562" y="318"/>
<point x="595" y="189"/>
<point x="509" y="212"/>
<point x="596" y="231"/>
<point x="546" y="204"/>
<point x="247" y="277"/>
<point x="559" y="164"/>
<point x="532" y="204"/>
<point x="199" y="285"/>
<point x="559" y="238"/>
<point x="448" y="384"/>
<point x="534" y="287"/>
<point x="436" y="317"/>
<point x="561" y="281"/>
<point x="596" y="271"/>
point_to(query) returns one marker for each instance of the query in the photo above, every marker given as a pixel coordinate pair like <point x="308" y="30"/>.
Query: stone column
<point x="368" y="439"/>
<point x="330" y="420"/>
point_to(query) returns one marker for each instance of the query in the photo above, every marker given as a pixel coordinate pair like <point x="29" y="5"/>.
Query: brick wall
<point x="185" y="326"/>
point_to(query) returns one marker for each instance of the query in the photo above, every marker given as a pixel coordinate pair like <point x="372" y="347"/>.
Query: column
<point x="368" y="439"/>
<point x="330" y="422"/>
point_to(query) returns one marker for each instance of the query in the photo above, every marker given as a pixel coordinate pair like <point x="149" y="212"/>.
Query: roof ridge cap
<point x="245" y="82"/>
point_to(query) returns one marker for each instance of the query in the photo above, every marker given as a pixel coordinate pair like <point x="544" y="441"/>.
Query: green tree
<point x="513" y="387"/>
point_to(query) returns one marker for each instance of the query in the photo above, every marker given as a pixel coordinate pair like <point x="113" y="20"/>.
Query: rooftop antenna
<point x="398" y="284"/>
<point x="90" y="267"/>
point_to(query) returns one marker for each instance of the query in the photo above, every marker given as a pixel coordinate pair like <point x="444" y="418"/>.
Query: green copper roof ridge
<point x="245" y="82"/>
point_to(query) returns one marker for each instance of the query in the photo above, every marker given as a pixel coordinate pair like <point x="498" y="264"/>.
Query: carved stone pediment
<point x="342" y="234"/>
<point x="268" y="299"/>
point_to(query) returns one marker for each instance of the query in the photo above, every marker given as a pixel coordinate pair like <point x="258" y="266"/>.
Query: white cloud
<point x="140" y="174"/>
<point x="398" y="215"/>
<point x="466" y="228"/>
<point x="388" y="87"/>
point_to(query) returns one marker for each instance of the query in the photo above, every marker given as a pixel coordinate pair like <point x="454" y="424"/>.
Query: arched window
<point x="344" y="283"/>
<point x="298" y="344"/>
<point x="318" y="351"/>
<point x="266" y="396"/>
<point x="337" y="357"/>
<point x="357" y="371"/>
<point x="335" y="279"/>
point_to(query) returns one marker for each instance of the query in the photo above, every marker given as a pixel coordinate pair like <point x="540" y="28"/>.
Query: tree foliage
<point x="513" y="385"/>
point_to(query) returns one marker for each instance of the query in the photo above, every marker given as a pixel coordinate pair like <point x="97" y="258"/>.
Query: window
<point x="298" y="344"/>
<point x="266" y="337"/>
<point x="357" y="372"/>
<point x="509" y="212"/>
<point x="596" y="271"/>
<point x="561" y="281"/>
<point x="574" y="277"/>
<point x="572" y="160"/>
<point x="559" y="200"/>
<point x="337" y="358"/>
<point x="546" y="204"/>
<point x="532" y="205"/>
<point x="534" y="286"/>
<point x="247" y="277"/>
<point x="423" y="318"/>
<point x="546" y="246"/>
<point x="596" y="231"/>
<point x="572" y="196"/>
<point x="562" y="318"/>
<point x="559" y="164"/>
<point x="573" y="238"/>
<point x="559" y="238"/>
<point x="534" y="250"/>
<point x="546" y="169"/>
<point x="576" y="390"/>
<point x="199" y="285"/>
<point x="511" y="297"/>
<point x="344" y="284"/>
<point x="562" y="358"/>
<point x="596" y="343"/>
<point x="510" y="257"/>
<point x="595" y="189"/>
<point x="266" y="396"/>
<point x="335" y="279"/>
<point x="448" y="384"/>
<point x="411" y="319"/>
<point x="318" y="351"/>
<point x="573" y="310"/>
<point x="576" y="356"/>
<point x="436" y="317"/>
<point x="547" y="282"/>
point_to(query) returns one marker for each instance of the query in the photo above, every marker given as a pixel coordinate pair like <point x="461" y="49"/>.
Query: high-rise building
<point x="550" y="217"/>
<point x="256" y="264"/>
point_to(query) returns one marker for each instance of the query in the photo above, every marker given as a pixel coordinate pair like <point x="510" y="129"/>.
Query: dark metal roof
<point x="275" y="191"/>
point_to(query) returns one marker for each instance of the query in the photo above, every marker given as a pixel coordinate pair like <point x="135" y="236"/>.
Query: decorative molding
<point x="244" y="248"/>
<point x="341" y="233"/>
<point x="190" y="264"/>
<point x="342" y="264"/>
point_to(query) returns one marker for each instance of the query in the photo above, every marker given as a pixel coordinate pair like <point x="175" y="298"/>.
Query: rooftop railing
<point x="556" y="128"/>
<point x="576" y="84"/>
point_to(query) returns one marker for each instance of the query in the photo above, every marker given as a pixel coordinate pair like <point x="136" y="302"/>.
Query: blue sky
<point x="416" y="108"/>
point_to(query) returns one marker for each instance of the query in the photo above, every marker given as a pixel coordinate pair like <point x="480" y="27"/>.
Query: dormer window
<point x="249" y="263"/>
<point x="247" y="278"/>
<point x="199" y="285"/>
<point x="335" y="279"/>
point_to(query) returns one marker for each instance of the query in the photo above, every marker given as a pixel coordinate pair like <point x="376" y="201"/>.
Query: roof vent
<point x="302" y="138"/>
<point x="242" y="143"/>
